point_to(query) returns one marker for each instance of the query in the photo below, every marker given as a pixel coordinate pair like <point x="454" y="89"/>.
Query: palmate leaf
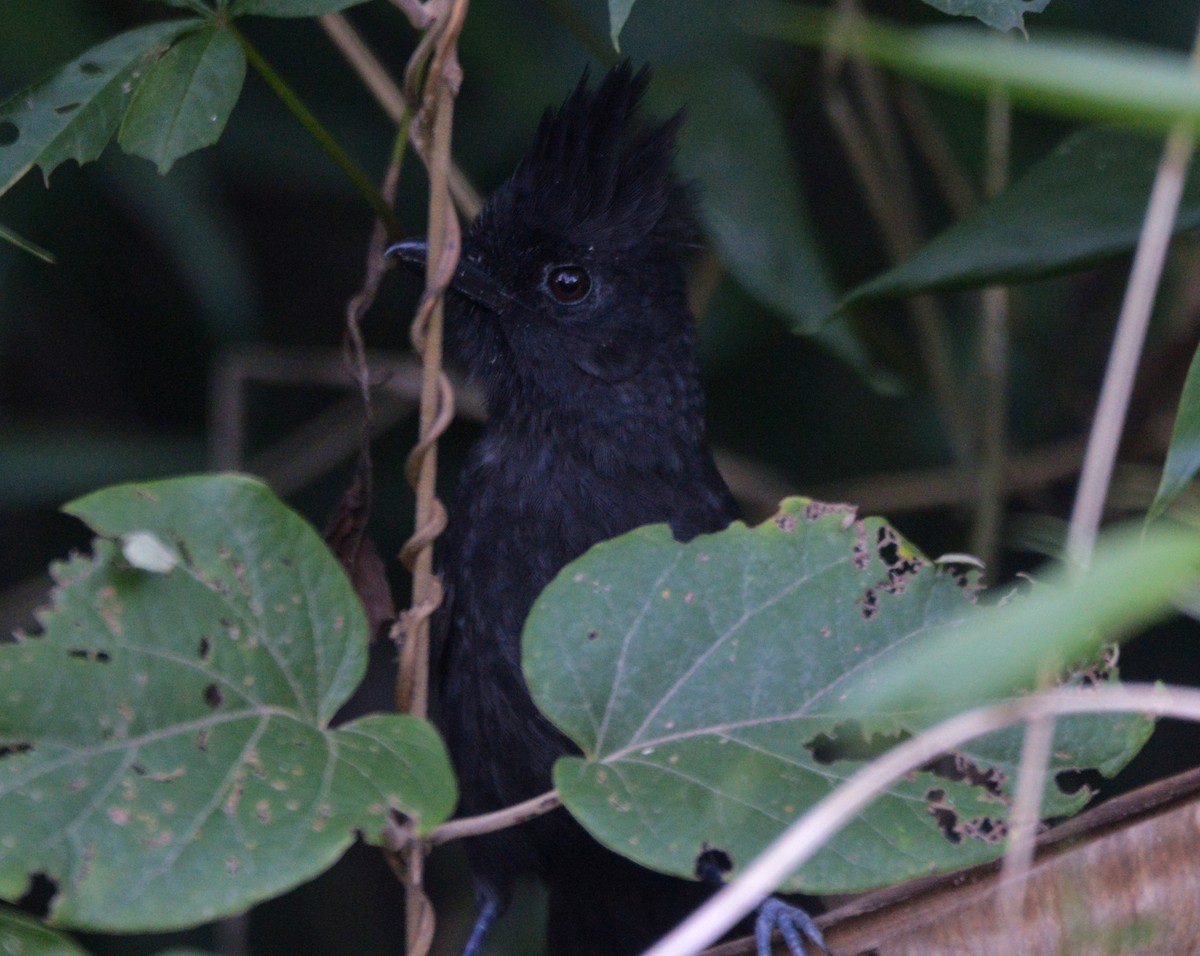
<point x="185" y="98"/>
<point x="166" y="755"/>
<point x="703" y="683"/>
<point x="73" y="113"/>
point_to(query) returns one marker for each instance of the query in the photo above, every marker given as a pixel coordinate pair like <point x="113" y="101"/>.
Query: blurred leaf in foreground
<point x="1078" y="77"/>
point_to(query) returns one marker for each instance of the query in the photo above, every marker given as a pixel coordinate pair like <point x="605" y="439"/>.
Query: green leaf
<point x="704" y="684"/>
<point x="72" y="115"/>
<point x="1080" y="205"/>
<point x="1001" y="15"/>
<point x="185" y="98"/>
<point x="21" y="935"/>
<point x="735" y="146"/>
<point x="618" y="13"/>
<point x="166" y="755"/>
<point x="1133" y="580"/>
<point x="289" y="8"/>
<point x="1183" y="455"/>
<point x="1094" y="80"/>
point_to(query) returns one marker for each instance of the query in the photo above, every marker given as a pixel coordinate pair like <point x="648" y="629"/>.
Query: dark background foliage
<point x="249" y="251"/>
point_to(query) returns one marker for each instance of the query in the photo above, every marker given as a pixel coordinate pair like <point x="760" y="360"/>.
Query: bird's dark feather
<point x="596" y="426"/>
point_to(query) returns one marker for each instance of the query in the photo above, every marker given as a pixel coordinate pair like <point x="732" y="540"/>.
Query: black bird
<point x="569" y="306"/>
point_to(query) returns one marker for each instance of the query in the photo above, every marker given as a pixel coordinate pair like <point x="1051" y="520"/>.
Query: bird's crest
<point x="600" y="174"/>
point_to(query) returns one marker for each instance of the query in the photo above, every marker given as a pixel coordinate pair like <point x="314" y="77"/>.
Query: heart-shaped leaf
<point x="704" y="683"/>
<point x="166" y="755"/>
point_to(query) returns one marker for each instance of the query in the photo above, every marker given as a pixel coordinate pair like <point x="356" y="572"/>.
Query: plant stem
<point x="1130" y="337"/>
<point x="360" y="180"/>
<point x="993" y="357"/>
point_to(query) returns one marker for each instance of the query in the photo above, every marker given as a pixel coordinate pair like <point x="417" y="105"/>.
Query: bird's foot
<point x="488" y="912"/>
<point x="794" y="926"/>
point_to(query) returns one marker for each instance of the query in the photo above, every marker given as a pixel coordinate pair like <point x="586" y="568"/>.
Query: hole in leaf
<point x="9" y="749"/>
<point x="956" y="767"/>
<point x="39" y="897"/>
<point x="9" y="133"/>
<point x="712" y="864"/>
<point x="66" y="108"/>
<point x="138" y="769"/>
<point x="82" y="654"/>
<point x="592" y="635"/>
<point x="88" y="68"/>
<point x="944" y="814"/>
<point x="213" y="696"/>
<point x="205" y="648"/>
<point x="985" y="829"/>
<point x="848" y="743"/>
<point x="1072" y="782"/>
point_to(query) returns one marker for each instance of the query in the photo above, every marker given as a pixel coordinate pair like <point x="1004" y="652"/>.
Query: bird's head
<point x="572" y="276"/>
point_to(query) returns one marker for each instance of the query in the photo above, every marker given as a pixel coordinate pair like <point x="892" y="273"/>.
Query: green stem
<point x="362" y="182"/>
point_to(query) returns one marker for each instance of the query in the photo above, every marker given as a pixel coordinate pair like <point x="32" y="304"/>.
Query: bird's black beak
<point x="469" y="280"/>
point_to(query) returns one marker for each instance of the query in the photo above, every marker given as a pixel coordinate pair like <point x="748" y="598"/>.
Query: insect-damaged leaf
<point x="73" y="114"/>
<point x="165" y="750"/>
<point x="699" y="679"/>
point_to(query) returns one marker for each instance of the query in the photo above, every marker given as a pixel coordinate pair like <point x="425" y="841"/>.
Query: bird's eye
<point x="568" y="284"/>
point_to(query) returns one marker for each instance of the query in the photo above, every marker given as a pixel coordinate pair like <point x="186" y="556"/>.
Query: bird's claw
<point x="490" y="908"/>
<point x="791" y="921"/>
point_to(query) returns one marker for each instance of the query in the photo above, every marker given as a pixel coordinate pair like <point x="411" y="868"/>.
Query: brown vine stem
<point x="436" y="58"/>
<point x="391" y="100"/>
<point x="399" y="838"/>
